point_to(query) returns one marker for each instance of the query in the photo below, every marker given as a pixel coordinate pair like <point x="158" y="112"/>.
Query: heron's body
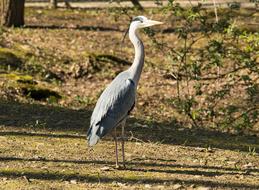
<point x="113" y="107"/>
<point x="118" y="99"/>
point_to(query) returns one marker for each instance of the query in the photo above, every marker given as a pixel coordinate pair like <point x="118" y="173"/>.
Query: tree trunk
<point x="67" y="4"/>
<point x="12" y="13"/>
<point x="53" y="4"/>
<point x="137" y="5"/>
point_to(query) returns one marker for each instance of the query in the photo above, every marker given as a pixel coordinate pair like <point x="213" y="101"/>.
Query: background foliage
<point x="215" y="66"/>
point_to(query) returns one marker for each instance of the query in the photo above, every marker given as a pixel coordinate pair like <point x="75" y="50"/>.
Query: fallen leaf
<point x="106" y="168"/>
<point x="177" y="186"/>
<point x="121" y="184"/>
<point x="73" y="181"/>
<point x="249" y="165"/>
<point x="148" y="186"/>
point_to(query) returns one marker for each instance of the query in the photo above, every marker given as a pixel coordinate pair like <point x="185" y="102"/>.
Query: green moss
<point x="30" y="88"/>
<point x="17" y="77"/>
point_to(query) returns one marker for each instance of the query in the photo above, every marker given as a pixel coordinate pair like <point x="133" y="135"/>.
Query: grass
<point x="43" y="143"/>
<point x="63" y="165"/>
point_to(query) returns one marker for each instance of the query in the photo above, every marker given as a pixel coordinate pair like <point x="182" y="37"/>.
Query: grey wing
<point x="112" y="107"/>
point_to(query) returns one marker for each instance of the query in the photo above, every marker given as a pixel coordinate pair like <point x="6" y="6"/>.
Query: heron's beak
<point x="151" y="23"/>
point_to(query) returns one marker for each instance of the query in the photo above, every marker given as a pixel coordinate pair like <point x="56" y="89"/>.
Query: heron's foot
<point x="118" y="167"/>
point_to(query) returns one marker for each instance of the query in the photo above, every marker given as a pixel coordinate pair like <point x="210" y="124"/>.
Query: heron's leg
<point x="116" y="148"/>
<point x="122" y="143"/>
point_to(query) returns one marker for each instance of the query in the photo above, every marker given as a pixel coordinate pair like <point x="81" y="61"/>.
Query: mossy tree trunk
<point x="12" y="13"/>
<point x="53" y="4"/>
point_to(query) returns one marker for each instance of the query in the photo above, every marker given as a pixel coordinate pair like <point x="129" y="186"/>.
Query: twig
<point x="215" y="10"/>
<point x="134" y="138"/>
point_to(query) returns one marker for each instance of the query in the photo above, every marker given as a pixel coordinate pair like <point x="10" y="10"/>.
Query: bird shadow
<point x="135" y="165"/>
<point x="106" y="178"/>
<point x="17" y="118"/>
<point x="21" y="119"/>
<point x="174" y="133"/>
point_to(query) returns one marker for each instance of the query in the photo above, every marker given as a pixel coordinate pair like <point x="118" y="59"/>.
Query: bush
<point x="216" y="68"/>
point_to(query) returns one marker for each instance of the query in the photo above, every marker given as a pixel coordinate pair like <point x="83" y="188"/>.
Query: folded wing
<point x="112" y="107"/>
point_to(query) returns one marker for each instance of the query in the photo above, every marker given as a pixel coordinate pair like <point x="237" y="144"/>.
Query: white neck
<point x="136" y="68"/>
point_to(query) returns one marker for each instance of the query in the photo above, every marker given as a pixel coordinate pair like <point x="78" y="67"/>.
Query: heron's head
<point x="143" y="22"/>
<point x="140" y="22"/>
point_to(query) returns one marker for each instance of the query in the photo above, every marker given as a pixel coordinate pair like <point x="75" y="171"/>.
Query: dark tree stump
<point x="12" y="13"/>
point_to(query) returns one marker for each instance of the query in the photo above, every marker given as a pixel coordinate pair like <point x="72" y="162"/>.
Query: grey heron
<point x="118" y="99"/>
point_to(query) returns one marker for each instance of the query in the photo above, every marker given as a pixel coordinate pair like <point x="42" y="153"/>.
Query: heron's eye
<point x="138" y="19"/>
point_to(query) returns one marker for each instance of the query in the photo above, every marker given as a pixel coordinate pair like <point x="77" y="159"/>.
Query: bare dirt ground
<point x="146" y="4"/>
<point x="43" y="143"/>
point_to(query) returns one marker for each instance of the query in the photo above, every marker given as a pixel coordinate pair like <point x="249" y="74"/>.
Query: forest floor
<point x="47" y="95"/>
<point x="146" y="4"/>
